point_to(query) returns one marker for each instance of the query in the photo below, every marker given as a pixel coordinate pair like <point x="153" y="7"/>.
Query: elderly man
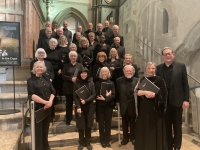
<point x="115" y="29"/>
<point x="79" y="29"/>
<point x="42" y="31"/>
<point x="120" y="49"/>
<point x="59" y="32"/>
<point x="107" y="30"/>
<point x="43" y="42"/>
<point x="125" y="98"/>
<point x="67" y="32"/>
<point x="99" y="32"/>
<point x="90" y="29"/>
<point x="175" y="76"/>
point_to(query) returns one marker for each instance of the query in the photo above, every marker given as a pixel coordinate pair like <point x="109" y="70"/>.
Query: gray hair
<point x="72" y="45"/>
<point x="115" y="26"/>
<point x="129" y="66"/>
<point x="73" y="53"/>
<point x="40" y="50"/>
<point x="167" y="48"/>
<point x="35" y="64"/>
<point x="53" y="40"/>
<point x="104" y="68"/>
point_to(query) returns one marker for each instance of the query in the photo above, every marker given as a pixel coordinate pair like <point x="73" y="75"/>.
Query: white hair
<point x="35" y="64"/>
<point x="104" y="68"/>
<point x="73" y="53"/>
<point x="40" y="50"/>
<point x="53" y="40"/>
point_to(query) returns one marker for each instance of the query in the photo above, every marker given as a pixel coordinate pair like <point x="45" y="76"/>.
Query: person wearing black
<point x="72" y="47"/>
<point x="150" y="133"/>
<point x="85" y="108"/>
<point x="107" y="30"/>
<point x="92" y="45"/>
<point x="69" y="76"/>
<point x="43" y="41"/>
<point x="175" y="76"/>
<point x="42" y="31"/>
<point x="54" y="28"/>
<point x="101" y="61"/>
<point x="79" y="29"/>
<point x="90" y="27"/>
<point x="120" y="49"/>
<point x="99" y="32"/>
<point x="78" y="38"/>
<point x="115" y="29"/>
<point x="128" y="60"/>
<point x="42" y="92"/>
<point x="105" y="104"/>
<point x="67" y="32"/>
<point x="63" y="48"/>
<point x="40" y="55"/>
<point x="125" y="99"/>
<point x="86" y="52"/>
<point x="59" y="32"/>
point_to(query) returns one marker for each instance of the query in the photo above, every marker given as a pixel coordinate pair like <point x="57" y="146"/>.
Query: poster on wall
<point x="10" y="44"/>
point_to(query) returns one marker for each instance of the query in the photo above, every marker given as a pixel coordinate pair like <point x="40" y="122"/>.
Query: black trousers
<point x="173" y="120"/>
<point x="69" y="107"/>
<point x="105" y="118"/>
<point x="127" y="121"/>
<point x="41" y="134"/>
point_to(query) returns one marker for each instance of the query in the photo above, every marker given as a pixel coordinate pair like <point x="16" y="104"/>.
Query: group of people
<point x="63" y="65"/>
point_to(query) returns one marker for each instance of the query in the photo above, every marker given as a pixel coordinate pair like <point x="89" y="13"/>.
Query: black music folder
<point x="147" y="85"/>
<point x="105" y="87"/>
<point x="41" y="114"/>
<point x="83" y="92"/>
<point x="86" y="58"/>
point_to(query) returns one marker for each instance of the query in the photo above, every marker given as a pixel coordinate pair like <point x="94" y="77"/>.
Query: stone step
<point x="70" y="139"/>
<point x="7" y="100"/>
<point x="7" y="86"/>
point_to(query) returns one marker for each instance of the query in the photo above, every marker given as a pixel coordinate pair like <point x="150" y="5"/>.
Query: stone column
<point x="48" y="9"/>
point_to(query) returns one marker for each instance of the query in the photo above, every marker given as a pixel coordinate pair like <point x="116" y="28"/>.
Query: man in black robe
<point x="43" y="41"/>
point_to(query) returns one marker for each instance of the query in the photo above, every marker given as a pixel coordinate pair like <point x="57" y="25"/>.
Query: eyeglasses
<point x="166" y="54"/>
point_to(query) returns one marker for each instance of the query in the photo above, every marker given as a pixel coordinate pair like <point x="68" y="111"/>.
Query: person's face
<point x="79" y="29"/>
<point x="52" y="45"/>
<point x="101" y="59"/>
<point x="39" y="69"/>
<point x="117" y="41"/>
<point x="55" y="25"/>
<point x="151" y="70"/>
<point x="72" y="48"/>
<point x="91" y="37"/>
<point x="48" y="24"/>
<point x="113" y="54"/>
<point x="128" y="59"/>
<point x="63" y="40"/>
<point x="60" y="32"/>
<point x="168" y="56"/>
<point x="104" y="73"/>
<point x="106" y="24"/>
<point x="65" y="25"/>
<point x="90" y="26"/>
<point x="128" y="72"/>
<point x="41" y="55"/>
<point x="48" y="32"/>
<point x="115" y="30"/>
<point x="73" y="58"/>
<point x="99" y="27"/>
<point x="78" y="37"/>
<point x="102" y="38"/>
<point x="83" y="75"/>
<point x="84" y="43"/>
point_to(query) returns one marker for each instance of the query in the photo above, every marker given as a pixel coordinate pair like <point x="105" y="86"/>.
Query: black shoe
<point x="80" y="147"/>
<point x="176" y="148"/>
<point x="108" y="145"/>
<point x="133" y="142"/>
<point x="89" y="147"/>
<point x="124" y="142"/>
<point x="103" y="145"/>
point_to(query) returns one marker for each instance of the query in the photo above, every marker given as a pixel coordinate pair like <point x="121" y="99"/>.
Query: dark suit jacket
<point x="68" y="34"/>
<point x="120" y="51"/>
<point x="179" y="88"/>
<point x="43" y="42"/>
<point x="126" y="100"/>
<point x="111" y="40"/>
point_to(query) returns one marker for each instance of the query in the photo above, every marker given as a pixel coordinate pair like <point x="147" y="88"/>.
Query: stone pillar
<point x="149" y="52"/>
<point x="48" y="10"/>
<point x="145" y="49"/>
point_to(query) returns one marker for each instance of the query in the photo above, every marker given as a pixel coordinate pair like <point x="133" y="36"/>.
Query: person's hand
<point x="108" y="93"/>
<point x="100" y="97"/>
<point x="50" y="80"/>
<point x="82" y="101"/>
<point x="149" y="94"/>
<point x="185" y="104"/>
<point x="59" y="71"/>
<point x="73" y="79"/>
<point x="48" y="104"/>
<point x="78" y="111"/>
<point x="112" y="68"/>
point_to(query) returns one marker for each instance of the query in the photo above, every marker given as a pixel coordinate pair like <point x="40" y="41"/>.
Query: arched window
<point x="165" y="21"/>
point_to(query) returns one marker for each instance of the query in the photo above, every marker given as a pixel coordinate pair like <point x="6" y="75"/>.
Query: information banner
<point x="10" y="44"/>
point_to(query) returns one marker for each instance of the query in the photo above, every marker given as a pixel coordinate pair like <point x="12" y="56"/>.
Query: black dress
<point x="150" y="131"/>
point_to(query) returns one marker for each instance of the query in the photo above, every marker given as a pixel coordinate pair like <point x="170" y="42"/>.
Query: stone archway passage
<point x="74" y="13"/>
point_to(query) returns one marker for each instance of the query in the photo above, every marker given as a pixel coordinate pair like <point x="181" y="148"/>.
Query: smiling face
<point x="113" y="53"/>
<point x="101" y="59"/>
<point x="151" y="70"/>
<point x="83" y="75"/>
<point x="39" y="69"/>
<point x="104" y="73"/>
<point x="73" y="58"/>
<point x="128" y="72"/>
<point x="52" y="45"/>
<point x="128" y="60"/>
<point x="168" y="56"/>
<point x="40" y="55"/>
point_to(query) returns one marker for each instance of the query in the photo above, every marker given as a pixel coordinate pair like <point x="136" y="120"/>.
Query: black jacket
<point x="111" y="40"/>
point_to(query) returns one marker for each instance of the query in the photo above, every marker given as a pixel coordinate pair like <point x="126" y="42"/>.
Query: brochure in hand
<point x="147" y="85"/>
<point x="41" y="114"/>
<point x="83" y="92"/>
<point x="86" y="58"/>
<point x="105" y="87"/>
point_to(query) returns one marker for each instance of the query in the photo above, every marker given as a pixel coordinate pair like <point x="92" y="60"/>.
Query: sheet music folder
<point x="147" y="85"/>
<point x="105" y="87"/>
<point x="40" y="114"/>
<point x="83" y="92"/>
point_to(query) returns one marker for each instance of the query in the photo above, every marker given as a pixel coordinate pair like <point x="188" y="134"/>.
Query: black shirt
<point x="167" y="74"/>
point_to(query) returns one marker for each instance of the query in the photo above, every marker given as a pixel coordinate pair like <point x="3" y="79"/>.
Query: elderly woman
<point x="105" y="103"/>
<point x="63" y="47"/>
<point x="69" y="75"/>
<point x="101" y="61"/>
<point x="85" y="108"/>
<point x="86" y="52"/>
<point x="73" y="47"/>
<point x="40" y="55"/>
<point x="42" y="92"/>
<point x="128" y="60"/>
<point x="150" y="124"/>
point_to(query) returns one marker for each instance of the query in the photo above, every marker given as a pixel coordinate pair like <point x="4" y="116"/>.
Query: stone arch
<point x="74" y="13"/>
